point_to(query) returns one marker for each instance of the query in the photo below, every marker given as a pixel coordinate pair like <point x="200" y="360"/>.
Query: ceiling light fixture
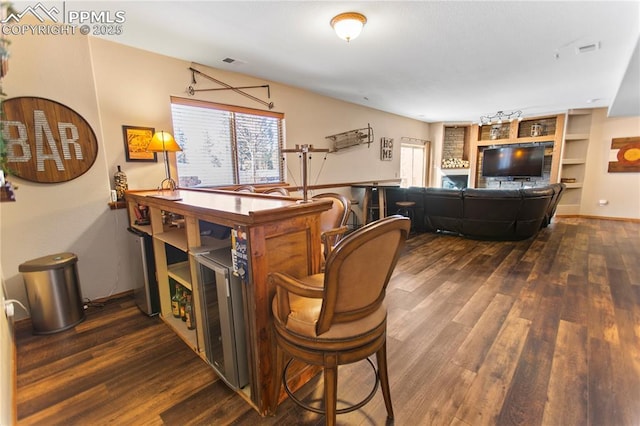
<point x="499" y="117"/>
<point x="348" y="25"/>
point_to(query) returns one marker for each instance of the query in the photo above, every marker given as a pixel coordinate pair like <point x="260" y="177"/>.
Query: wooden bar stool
<point x="405" y="208"/>
<point x="338" y="317"/>
<point x="372" y="205"/>
<point x="352" y="222"/>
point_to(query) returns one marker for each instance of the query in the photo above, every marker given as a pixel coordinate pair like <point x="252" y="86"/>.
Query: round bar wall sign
<point x="46" y="141"/>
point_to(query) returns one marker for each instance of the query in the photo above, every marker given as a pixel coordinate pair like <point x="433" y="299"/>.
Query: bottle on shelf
<point x="183" y="305"/>
<point x="188" y="313"/>
<point x="175" y="302"/>
<point x="120" y="181"/>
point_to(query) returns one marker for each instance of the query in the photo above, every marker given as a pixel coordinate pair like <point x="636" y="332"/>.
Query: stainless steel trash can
<point x="53" y="291"/>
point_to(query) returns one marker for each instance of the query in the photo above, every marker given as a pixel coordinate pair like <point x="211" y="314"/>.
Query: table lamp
<point x="163" y="142"/>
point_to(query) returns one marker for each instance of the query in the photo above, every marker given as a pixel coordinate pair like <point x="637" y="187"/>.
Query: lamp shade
<point x="163" y="142"/>
<point x="348" y="25"/>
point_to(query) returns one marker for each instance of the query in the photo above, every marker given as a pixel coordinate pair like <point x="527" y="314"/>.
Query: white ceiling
<point x="433" y="61"/>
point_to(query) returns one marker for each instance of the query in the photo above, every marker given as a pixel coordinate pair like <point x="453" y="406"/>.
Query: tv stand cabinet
<point x="281" y="235"/>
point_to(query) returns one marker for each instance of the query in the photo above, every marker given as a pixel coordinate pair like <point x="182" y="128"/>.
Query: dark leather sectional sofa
<point x="503" y="214"/>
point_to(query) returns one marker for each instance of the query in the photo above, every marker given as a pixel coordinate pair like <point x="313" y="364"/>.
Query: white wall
<point x="622" y="190"/>
<point x="112" y="85"/>
<point x="7" y="363"/>
<point x="437" y="137"/>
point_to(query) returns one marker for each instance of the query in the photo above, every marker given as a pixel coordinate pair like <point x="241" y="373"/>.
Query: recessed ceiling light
<point x="592" y="100"/>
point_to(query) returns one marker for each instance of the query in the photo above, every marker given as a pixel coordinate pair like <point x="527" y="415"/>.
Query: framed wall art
<point x="136" y="140"/>
<point x="626" y="155"/>
<point x="386" y="149"/>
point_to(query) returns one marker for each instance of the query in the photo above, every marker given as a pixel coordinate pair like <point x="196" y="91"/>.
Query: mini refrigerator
<point x="143" y="271"/>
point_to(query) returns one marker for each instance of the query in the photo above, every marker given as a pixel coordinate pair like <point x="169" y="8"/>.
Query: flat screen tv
<point x="521" y="161"/>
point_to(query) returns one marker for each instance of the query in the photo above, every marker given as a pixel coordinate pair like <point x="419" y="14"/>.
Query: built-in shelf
<point x="546" y="125"/>
<point x="576" y="136"/>
<point x="573" y="161"/>
<point x="180" y="328"/>
<point x="546" y="131"/>
<point x="215" y="243"/>
<point x="181" y="273"/>
<point x="574" y="185"/>
<point x="174" y="236"/>
<point x="455" y="149"/>
<point x="144" y="228"/>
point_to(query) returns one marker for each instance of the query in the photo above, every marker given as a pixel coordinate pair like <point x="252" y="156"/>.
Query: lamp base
<point x="171" y="184"/>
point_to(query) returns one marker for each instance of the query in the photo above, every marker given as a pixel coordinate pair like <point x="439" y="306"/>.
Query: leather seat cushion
<point x="304" y="316"/>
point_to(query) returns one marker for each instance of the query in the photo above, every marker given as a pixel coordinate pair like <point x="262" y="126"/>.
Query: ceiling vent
<point x="591" y="47"/>
<point x="234" y="61"/>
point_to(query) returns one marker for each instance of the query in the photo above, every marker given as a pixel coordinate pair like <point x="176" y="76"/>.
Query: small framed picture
<point x="136" y="140"/>
<point x="386" y="149"/>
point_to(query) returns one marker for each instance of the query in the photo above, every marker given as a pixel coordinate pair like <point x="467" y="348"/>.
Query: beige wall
<point x="71" y="216"/>
<point x="621" y="190"/>
<point x="134" y="87"/>
<point x="112" y="85"/>
<point x="7" y="363"/>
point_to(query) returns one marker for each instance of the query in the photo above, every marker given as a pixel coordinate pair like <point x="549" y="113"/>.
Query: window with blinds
<point x="223" y="144"/>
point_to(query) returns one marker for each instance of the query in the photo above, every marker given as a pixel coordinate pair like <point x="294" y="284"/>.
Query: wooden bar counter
<point x="282" y="234"/>
<point x="367" y="202"/>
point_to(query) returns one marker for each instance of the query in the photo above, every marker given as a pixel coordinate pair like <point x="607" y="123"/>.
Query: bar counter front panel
<point x="282" y="235"/>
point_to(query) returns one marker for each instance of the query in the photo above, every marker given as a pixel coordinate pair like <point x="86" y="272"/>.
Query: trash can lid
<point x="52" y="261"/>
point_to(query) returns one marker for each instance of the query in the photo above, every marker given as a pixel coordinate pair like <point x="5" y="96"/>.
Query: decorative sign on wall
<point x="136" y="140"/>
<point x="351" y="138"/>
<point x="386" y="149"/>
<point x="626" y="152"/>
<point x="46" y="141"/>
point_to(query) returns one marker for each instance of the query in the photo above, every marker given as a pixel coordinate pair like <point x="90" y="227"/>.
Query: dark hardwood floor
<point x="538" y="332"/>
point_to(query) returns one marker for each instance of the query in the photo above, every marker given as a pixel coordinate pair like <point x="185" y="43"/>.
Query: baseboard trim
<point x="585" y="216"/>
<point x="128" y="293"/>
